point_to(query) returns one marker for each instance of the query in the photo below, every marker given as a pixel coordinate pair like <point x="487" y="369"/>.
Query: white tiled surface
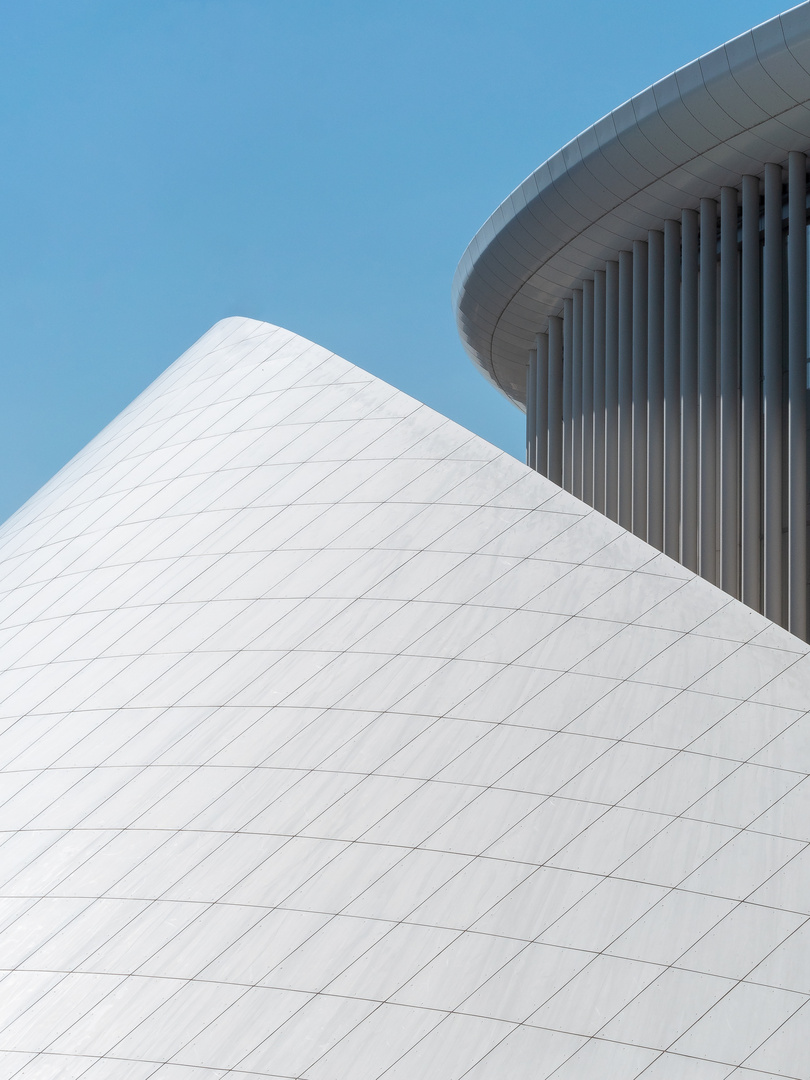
<point x="336" y="744"/>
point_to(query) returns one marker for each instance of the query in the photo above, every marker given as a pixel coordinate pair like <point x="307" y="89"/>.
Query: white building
<point x="656" y="270"/>
<point x="338" y="745"/>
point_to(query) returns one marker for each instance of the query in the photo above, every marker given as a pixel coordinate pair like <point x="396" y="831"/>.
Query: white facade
<point x="338" y="745"/>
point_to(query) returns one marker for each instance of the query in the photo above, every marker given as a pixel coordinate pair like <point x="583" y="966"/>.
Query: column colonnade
<point x="670" y="390"/>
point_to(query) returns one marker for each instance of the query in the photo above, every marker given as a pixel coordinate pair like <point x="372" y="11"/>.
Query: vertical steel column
<point x="612" y="390"/>
<point x="707" y="365"/>
<point x="587" y="392"/>
<point x="751" y="403"/>
<point x="672" y="389"/>
<point x="599" y="391"/>
<point x="542" y="404"/>
<point x="772" y="393"/>
<point x="729" y="396"/>
<point x="555" y="399"/>
<point x="576" y="394"/>
<point x="797" y="390"/>
<point x="689" y="389"/>
<point x="568" y="372"/>
<point x="640" y="388"/>
<point x="655" y="390"/>
<point x="626" y="389"/>
<point x="531" y="410"/>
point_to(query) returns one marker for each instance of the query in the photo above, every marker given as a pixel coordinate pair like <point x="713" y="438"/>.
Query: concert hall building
<point x="643" y="295"/>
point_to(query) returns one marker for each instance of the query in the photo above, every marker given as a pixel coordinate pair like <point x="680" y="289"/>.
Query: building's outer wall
<point x="337" y="744"/>
<point x="735" y="289"/>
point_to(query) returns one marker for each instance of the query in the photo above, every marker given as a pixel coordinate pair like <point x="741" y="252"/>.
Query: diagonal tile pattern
<point x="336" y="743"/>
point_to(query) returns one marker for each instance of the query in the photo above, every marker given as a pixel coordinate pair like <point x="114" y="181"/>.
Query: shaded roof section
<point x="706" y="125"/>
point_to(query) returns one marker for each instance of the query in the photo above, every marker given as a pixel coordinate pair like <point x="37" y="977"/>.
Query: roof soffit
<point x="704" y="126"/>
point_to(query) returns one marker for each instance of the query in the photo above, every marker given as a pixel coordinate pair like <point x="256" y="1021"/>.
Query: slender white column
<point x="640" y="403"/>
<point x="751" y="403"/>
<point x="542" y="403"/>
<point x="626" y="389"/>
<point x="729" y="396"/>
<point x="707" y="366"/>
<point x="797" y="391"/>
<point x="612" y="390"/>
<point x="599" y="391"/>
<point x="772" y="393"/>
<point x="555" y="399"/>
<point x="689" y="389"/>
<point x="576" y="393"/>
<point x="655" y="390"/>
<point x="531" y="410"/>
<point x="568" y="373"/>
<point x="587" y="392"/>
<point x="672" y="388"/>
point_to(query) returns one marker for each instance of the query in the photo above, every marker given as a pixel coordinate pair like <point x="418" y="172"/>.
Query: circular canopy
<point x="726" y="114"/>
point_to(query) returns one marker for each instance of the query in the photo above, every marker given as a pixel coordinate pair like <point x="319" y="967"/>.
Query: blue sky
<point x="320" y="164"/>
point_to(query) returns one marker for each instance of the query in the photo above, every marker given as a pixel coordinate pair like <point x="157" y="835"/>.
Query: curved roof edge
<point x="704" y="126"/>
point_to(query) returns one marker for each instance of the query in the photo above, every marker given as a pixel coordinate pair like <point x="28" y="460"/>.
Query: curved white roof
<point x="337" y="744"/>
<point x="724" y="115"/>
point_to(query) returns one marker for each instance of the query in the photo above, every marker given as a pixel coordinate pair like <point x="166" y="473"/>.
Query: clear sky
<point x="320" y="164"/>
